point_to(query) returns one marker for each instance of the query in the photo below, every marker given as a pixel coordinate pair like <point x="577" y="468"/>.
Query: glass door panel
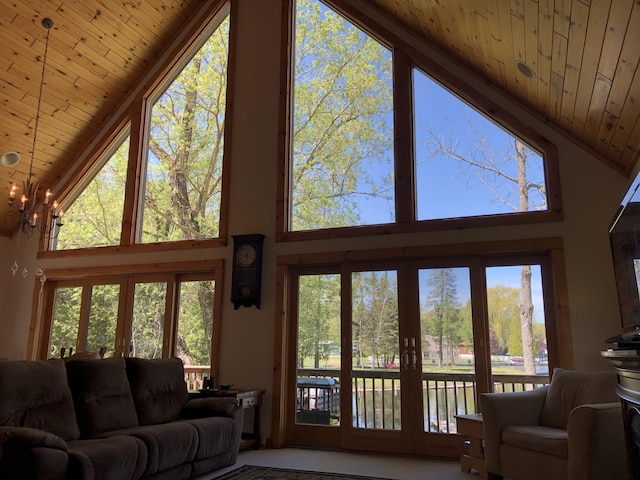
<point x="448" y="374"/>
<point x="103" y="316"/>
<point x="66" y="318"/>
<point x="195" y="322"/>
<point x="319" y="350"/>
<point x="517" y="329"/>
<point x="148" y="320"/>
<point x="375" y="374"/>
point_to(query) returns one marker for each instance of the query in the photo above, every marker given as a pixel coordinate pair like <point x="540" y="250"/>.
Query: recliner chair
<point x="571" y="429"/>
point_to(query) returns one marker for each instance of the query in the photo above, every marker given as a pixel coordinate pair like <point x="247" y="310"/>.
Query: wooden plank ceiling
<point x="584" y="54"/>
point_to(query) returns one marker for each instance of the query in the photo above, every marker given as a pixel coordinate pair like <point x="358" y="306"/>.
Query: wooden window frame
<point x="549" y="253"/>
<point x="405" y="58"/>
<point x="134" y="118"/>
<point x="127" y="275"/>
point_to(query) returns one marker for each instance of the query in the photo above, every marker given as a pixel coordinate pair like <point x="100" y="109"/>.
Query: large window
<point x="161" y="180"/>
<point x="342" y="167"/>
<point x="147" y="315"/>
<point x="94" y="219"/>
<point x="183" y="187"/>
<point x="377" y="141"/>
<point x="466" y="165"/>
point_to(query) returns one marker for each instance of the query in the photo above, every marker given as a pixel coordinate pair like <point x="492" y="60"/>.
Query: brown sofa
<point x="111" y="419"/>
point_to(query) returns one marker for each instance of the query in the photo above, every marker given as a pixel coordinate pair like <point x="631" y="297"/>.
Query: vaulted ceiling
<point x="583" y="54"/>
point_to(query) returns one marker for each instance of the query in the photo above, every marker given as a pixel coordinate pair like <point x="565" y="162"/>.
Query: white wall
<point x="591" y="193"/>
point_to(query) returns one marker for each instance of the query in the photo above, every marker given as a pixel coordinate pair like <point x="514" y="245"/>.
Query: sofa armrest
<point x="210" y="407"/>
<point x="504" y="409"/>
<point x="596" y="442"/>
<point x="24" y="437"/>
<point x="31" y="454"/>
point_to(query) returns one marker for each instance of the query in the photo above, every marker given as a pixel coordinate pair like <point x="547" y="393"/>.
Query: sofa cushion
<point x="569" y="388"/>
<point x="115" y="458"/>
<point x="217" y="435"/>
<point x="101" y="395"/>
<point x="35" y="394"/>
<point x="168" y="445"/>
<point x="547" y="440"/>
<point x="158" y="388"/>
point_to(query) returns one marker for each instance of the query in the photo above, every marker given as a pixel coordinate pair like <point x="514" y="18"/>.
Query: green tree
<point x="66" y="315"/>
<point x="504" y="319"/>
<point x="443" y="317"/>
<point x="375" y="318"/>
<point x="95" y="217"/>
<point x="342" y="106"/>
<point x="318" y="318"/>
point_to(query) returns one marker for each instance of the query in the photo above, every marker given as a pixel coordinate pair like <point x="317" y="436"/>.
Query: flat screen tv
<point x="625" y="246"/>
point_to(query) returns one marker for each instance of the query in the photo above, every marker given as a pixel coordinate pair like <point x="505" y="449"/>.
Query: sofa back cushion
<point x="569" y="388"/>
<point x="158" y="388"/>
<point x="101" y="395"/>
<point x="35" y="394"/>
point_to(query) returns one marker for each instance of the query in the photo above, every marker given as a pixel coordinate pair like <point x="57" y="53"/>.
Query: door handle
<point x="405" y="359"/>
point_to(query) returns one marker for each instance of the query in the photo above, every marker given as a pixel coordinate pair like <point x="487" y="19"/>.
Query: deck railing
<point x="194" y="374"/>
<point x="376" y="396"/>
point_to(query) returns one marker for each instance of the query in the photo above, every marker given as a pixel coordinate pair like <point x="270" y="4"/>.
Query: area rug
<point x="251" y="472"/>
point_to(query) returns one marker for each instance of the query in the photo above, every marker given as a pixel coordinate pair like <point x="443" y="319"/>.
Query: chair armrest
<point x="596" y="442"/>
<point x="503" y="409"/>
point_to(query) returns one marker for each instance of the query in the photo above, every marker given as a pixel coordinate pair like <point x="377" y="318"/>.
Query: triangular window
<point x="94" y="219"/>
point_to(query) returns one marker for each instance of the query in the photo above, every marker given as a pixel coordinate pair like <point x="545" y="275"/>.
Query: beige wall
<point x="591" y="193"/>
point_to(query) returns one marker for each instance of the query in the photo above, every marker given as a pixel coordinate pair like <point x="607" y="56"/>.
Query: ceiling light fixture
<point x="33" y="212"/>
<point x="525" y="69"/>
<point x="10" y="159"/>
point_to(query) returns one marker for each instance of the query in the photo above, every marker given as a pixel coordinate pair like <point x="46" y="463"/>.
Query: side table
<point x="471" y="426"/>
<point x="247" y="399"/>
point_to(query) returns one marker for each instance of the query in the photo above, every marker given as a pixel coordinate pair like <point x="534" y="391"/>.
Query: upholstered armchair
<point x="571" y="429"/>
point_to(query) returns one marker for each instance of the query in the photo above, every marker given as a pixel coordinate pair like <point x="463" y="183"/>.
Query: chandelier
<point x="34" y="209"/>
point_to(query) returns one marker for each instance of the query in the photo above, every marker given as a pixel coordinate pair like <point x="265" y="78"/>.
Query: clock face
<point x="245" y="255"/>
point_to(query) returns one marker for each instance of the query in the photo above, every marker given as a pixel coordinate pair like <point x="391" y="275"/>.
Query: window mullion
<point x="404" y="141"/>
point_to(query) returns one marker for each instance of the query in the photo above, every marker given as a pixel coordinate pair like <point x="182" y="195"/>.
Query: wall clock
<point x="246" y="277"/>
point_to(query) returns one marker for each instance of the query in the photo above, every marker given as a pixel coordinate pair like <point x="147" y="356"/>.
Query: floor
<point x="376" y="465"/>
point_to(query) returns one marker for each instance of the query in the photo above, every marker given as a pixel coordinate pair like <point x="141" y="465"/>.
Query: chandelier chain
<point x="46" y="23"/>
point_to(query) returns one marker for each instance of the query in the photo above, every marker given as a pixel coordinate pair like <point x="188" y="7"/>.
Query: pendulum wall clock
<point x="246" y="278"/>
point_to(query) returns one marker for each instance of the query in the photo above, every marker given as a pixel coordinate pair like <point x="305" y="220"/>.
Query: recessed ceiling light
<point x="525" y="69"/>
<point x="9" y="159"/>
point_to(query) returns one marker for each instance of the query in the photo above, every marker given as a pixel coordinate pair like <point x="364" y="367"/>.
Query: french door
<point x="388" y="353"/>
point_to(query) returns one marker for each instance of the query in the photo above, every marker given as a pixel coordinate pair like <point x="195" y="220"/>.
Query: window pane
<point x="66" y="317"/>
<point x="448" y="366"/>
<point x="342" y="154"/>
<point x="375" y="338"/>
<point x="103" y="315"/>
<point x="517" y="332"/>
<point x="195" y="322"/>
<point x="466" y="165"/>
<point x="95" y="217"/>
<point x="186" y="141"/>
<point x="318" y="386"/>
<point x="147" y="328"/>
